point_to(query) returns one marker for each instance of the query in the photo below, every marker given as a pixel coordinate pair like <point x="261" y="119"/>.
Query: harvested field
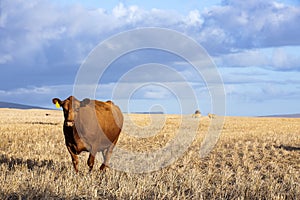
<point x="254" y="158"/>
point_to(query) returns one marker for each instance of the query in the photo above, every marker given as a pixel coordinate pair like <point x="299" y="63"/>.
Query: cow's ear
<point x="57" y="102"/>
<point x="84" y="102"/>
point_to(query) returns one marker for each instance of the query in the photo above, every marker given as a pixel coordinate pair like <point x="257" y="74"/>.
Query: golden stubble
<point x="254" y="158"/>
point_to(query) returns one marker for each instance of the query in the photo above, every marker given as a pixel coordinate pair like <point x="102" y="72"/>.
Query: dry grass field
<point x="254" y="158"/>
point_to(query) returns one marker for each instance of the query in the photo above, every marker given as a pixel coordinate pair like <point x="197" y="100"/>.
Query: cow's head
<point x="70" y="108"/>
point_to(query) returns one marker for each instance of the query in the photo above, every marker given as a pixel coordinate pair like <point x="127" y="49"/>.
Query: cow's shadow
<point x="31" y="192"/>
<point x="288" y="148"/>
<point x="31" y="164"/>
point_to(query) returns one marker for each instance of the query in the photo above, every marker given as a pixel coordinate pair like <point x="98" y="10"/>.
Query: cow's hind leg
<point x="107" y="154"/>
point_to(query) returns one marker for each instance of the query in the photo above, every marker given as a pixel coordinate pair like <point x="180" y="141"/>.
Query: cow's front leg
<point x="74" y="159"/>
<point x="91" y="161"/>
<point x="75" y="162"/>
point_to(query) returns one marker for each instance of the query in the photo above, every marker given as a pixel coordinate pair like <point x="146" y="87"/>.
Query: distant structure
<point x="211" y="116"/>
<point x="197" y="114"/>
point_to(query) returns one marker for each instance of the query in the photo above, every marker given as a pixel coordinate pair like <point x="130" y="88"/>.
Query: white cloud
<point x="119" y="11"/>
<point x="262" y="92"/>
<point x="250" y="24"/>
<point x="279" y="58"/>
<point x="43" y="90"/>
<point x="40" y="28"/>
<point x="231" y="27"/>
<point x="194" y="19"/>
<point x="39" y="96"/>
<point x="247" y="58"/>
<point x="283" y="59"/>
<point x="156" y="92"/>
<point x="129" y="14"/>
<point x="5" y="58"/>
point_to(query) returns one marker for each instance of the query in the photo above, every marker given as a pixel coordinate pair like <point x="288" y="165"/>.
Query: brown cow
<point x="92" y="126"/>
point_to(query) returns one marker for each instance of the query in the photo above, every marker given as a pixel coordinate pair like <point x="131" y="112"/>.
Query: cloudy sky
<point x="254" y="44"/>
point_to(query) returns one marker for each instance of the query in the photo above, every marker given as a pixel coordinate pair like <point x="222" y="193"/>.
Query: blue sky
<point x="255" y="45"/>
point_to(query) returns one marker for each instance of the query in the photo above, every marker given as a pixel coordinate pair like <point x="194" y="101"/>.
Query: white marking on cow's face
<point x="69" y="124"/>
